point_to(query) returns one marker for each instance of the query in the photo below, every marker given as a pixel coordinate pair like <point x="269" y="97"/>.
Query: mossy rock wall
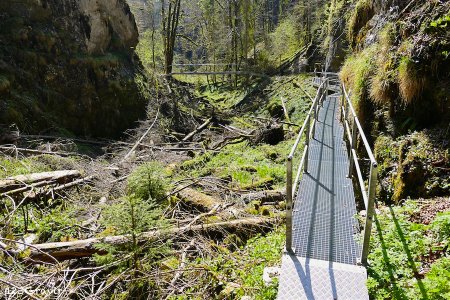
<point x="69" y="64"/>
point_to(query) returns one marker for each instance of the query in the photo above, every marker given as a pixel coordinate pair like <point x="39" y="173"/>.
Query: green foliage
<point x="267" y="252"/>
<point x="400" y="249"/>
<point x="405" y="169"/>
<point x="411" y="81"/>
<point x="13" y="167"/>
<point x="441" y="23"/>
<point x="149" y="41"/>
<point x="233" y="275"/>
<point x="286" y="40"/>
<point x="355" y="73"/>
<point x="383" y="83"/>
<point x="334" y="11"/>
<point x="148" y="182"/>
<point x="361" y="14"/>
<point x="221" y="96"/>
<point x="233" y="160"/>
<point x="56" y="226"/>
<point x="132" y="215"/>
<point x="436" y="282"/>
<point x="441" y="227"/>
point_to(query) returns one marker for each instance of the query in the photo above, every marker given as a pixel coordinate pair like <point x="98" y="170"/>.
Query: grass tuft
<point x="356" y="73"/>
<point x="362" y="13"/>
<point x="410" y="82"/>
<point x="383" y="83"/>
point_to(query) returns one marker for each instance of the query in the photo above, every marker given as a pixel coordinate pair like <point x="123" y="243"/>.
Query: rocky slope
<point x="398" y="73"/>
<point x="69" y="64"/>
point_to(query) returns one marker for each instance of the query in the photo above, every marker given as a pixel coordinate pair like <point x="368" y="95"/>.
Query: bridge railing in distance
<point x="291" y="185"/>
<point x="355" y="133"/>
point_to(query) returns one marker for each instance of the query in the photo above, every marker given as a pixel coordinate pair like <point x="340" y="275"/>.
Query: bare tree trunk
<point x="86" y="248"/>
<point x="170" y="26"/>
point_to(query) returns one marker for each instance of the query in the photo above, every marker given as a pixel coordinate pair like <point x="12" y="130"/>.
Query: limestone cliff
<point x="69" y="64"/>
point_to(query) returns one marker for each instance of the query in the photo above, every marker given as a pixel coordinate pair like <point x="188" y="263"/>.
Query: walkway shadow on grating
<point x="324" y="265"/>
<point x="324" y="210"/>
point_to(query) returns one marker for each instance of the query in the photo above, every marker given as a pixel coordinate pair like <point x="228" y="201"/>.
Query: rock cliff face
<point x="142" y="11"/>
<point x="69" y="64"/>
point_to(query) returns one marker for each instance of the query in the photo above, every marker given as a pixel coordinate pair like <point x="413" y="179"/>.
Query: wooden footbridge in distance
<point x="325" y="253"/>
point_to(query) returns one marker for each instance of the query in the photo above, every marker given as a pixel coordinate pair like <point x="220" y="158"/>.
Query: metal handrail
<point x="347" y="111"/>
<point x="291" y="186"/>
<point x="361" y="131"/>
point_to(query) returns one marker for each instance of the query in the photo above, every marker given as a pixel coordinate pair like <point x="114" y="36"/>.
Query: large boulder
<point x="69" y="64"/>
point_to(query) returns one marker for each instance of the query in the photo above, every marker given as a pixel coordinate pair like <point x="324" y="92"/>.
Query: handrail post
<point x="352" y="147"/>
<point x="308" y="129"/>
<point x="370" y="212"/>
<point x="289" y="204"/>
<point x="345" y="104"/>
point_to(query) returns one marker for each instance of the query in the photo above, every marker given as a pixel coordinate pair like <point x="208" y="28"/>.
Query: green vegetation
<point x="248" y="166"/>
<point x="411" y="83"/>
<point x="356" y="73"/>
<point x="286" y="40"/>
<point x="231" y="275"/>
<point x="404" y="168"/>
<point x="11" y="167"/>
<point x="409" y="260"/>
<point x="148" y="182"/>
<point x="395" y="74"/>
<point x="383" y="82"/>
<point x="362" y="13"/>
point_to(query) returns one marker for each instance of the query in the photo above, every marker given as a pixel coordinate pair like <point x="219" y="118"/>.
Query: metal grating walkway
<point x="324" y="226"/>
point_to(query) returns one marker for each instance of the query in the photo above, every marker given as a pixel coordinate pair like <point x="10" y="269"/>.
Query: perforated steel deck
<point x="304" y="278"/>
<point x="324" y="224"/>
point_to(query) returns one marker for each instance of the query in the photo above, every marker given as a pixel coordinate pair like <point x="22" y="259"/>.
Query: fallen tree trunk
<point x="286" y="112"/>
<point x="265" y="196"/>
<point x="140" y="139"/>
<point x="198" y="199"/>
<point x="45" y="190"/>
<point x="86" y="248"/>
<point x="33" y="151"/>
<point x="12" y="183"/>
<point x="197" y="130"/>
<point x="77" y="140"/>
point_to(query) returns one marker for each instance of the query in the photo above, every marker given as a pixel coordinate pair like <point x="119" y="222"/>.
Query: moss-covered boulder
<point x="70" y="64"/>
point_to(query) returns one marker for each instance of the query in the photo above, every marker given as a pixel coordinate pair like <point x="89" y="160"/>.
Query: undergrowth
<point x="246" y="166"/>
<point x="405" y="168"/>
<point x="409" y="260"/>
<point x="232" y="275"/>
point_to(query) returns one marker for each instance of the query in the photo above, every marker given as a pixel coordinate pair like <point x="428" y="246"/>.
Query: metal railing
<point x="355" y="134"/>
<point x="308" y="130"/>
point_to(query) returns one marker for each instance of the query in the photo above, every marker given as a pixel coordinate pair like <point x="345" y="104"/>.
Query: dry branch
<point x="45" y="190"/>
<point x="180" y="271"/>
<point x="33" y="151"/>
<point x="12" y="183"/>
<point x="197" y="130"/>
<point x="227" y="141"/>
<point x="265" y="196"/>
<point x="77" y="140"/>
<point x="286" y="113"/>
<point x="141" y="139"/>
<point x="86" y="248"/>
<point x="198" y="199"/>
<point x="303" y="90"/>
